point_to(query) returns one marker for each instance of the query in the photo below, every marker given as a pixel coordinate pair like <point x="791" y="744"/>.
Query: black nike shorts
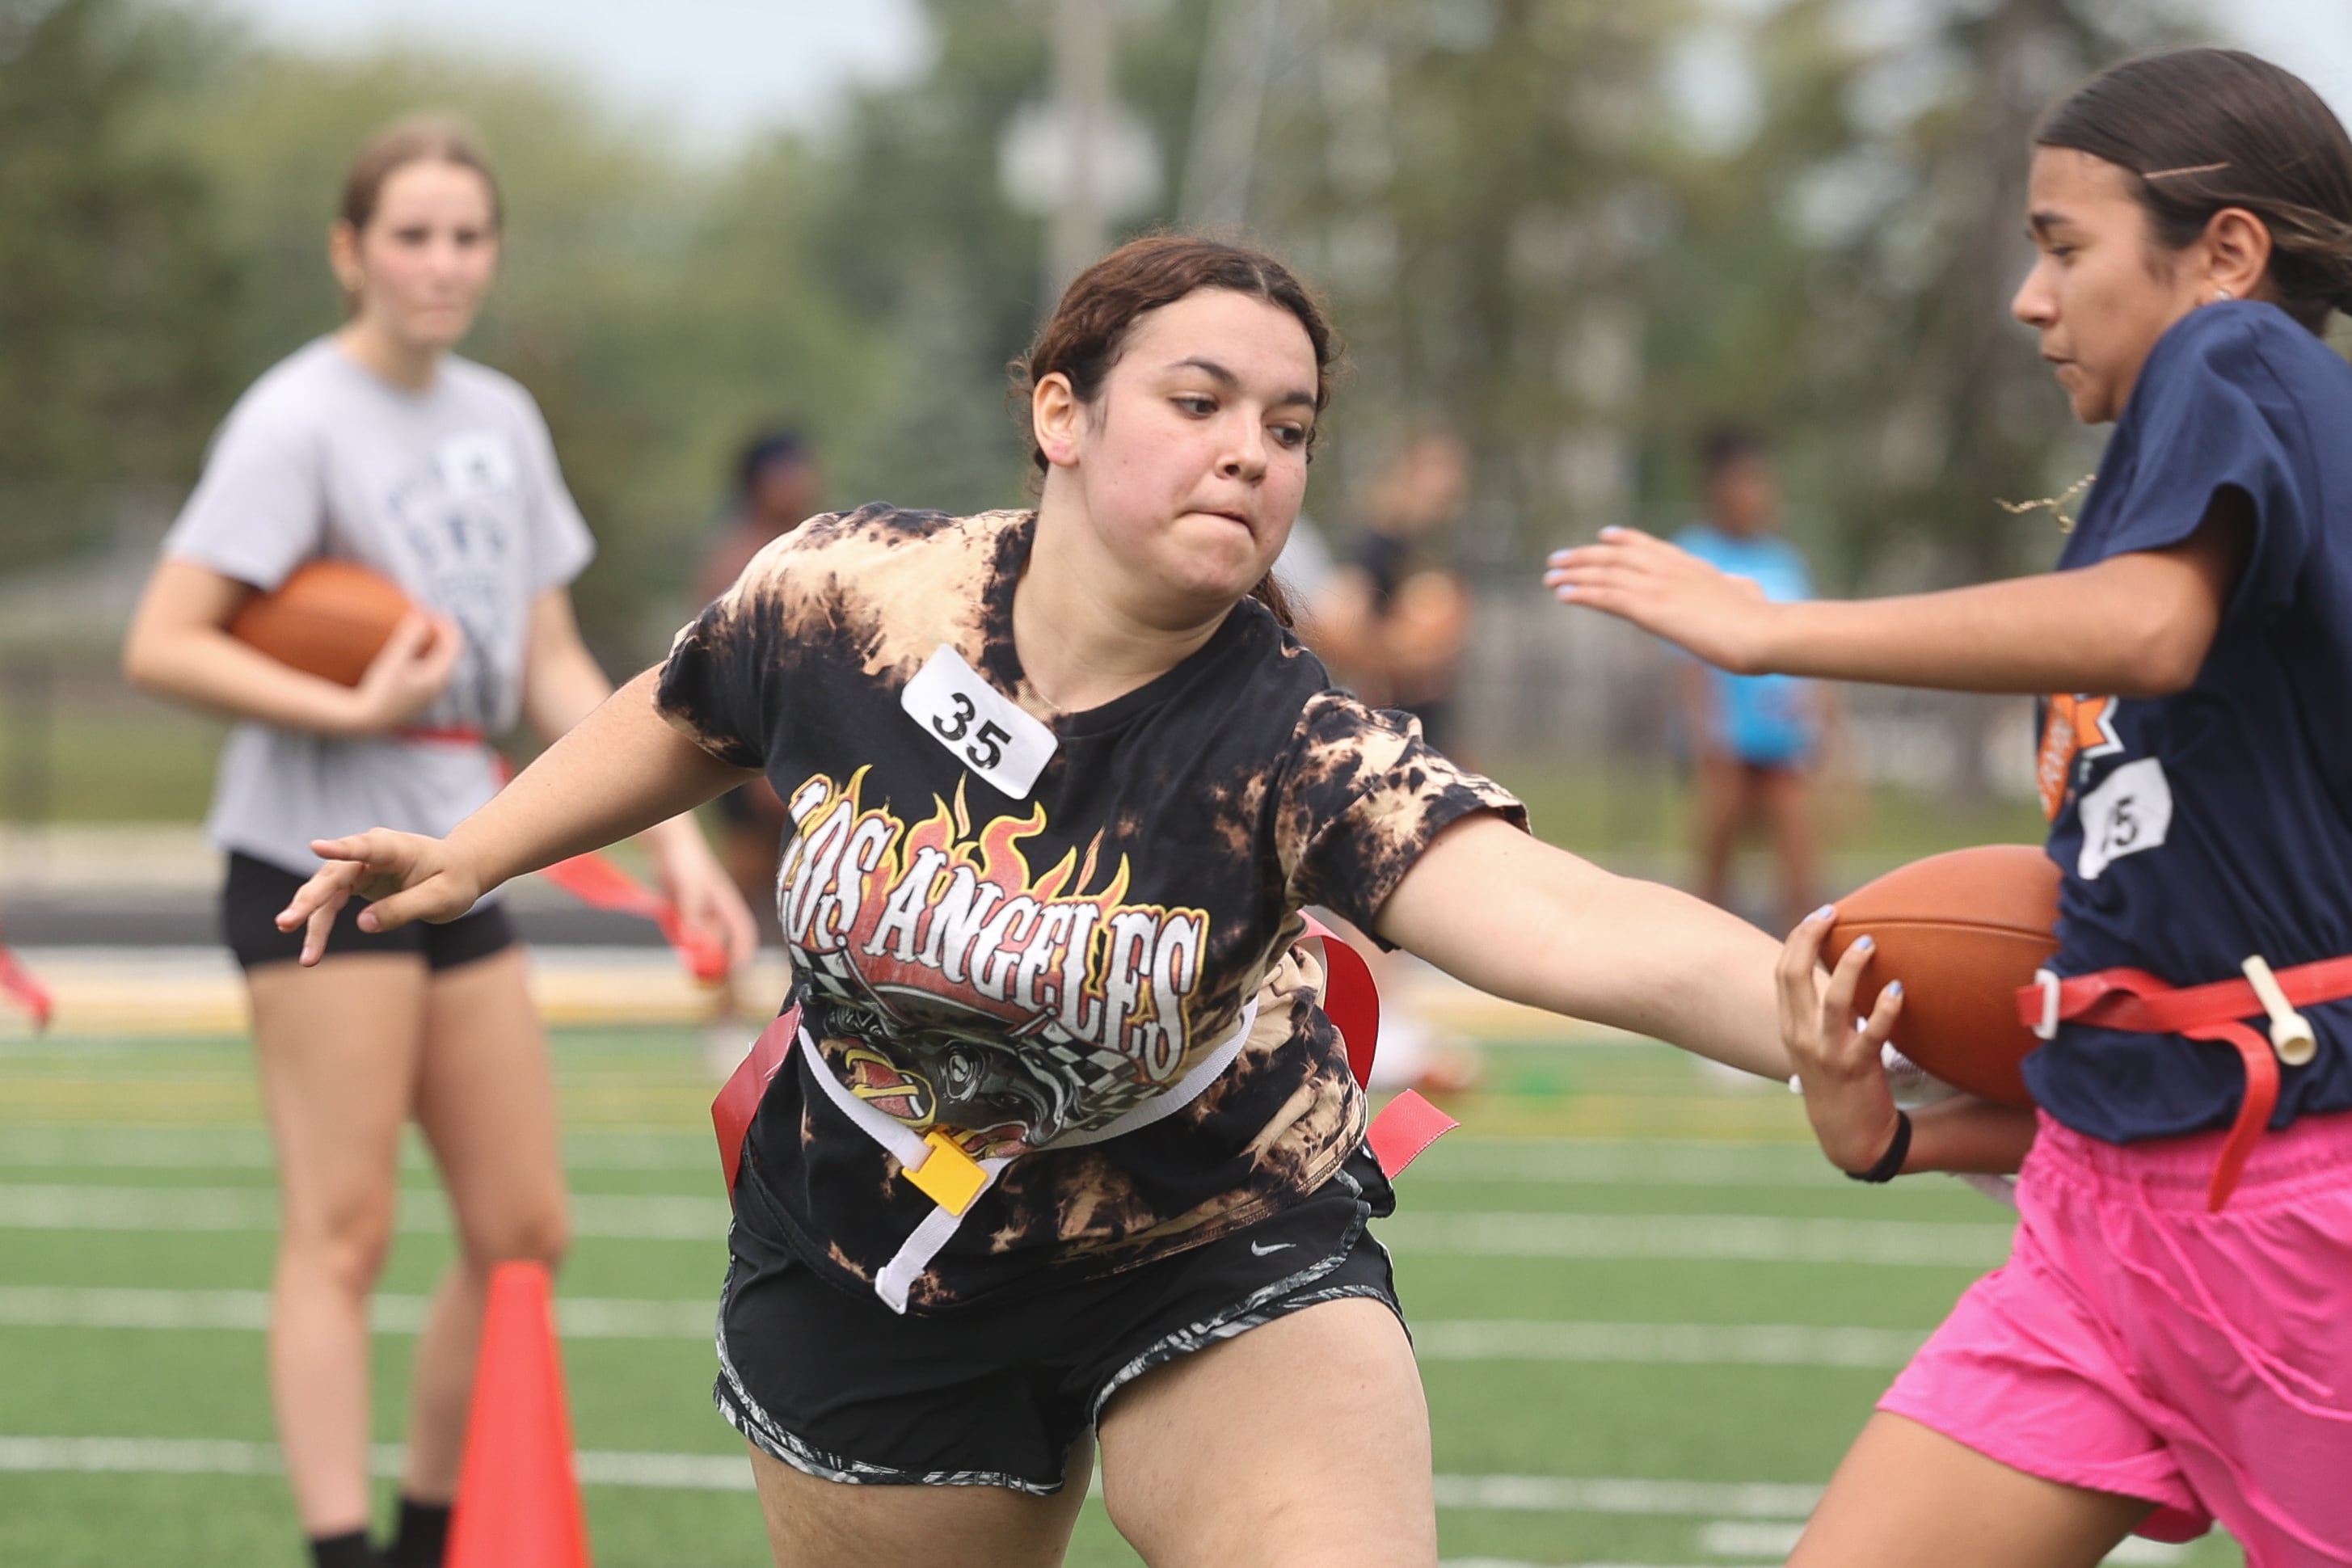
<point x="840" y="1387"/>
<point x="255" y="891"/>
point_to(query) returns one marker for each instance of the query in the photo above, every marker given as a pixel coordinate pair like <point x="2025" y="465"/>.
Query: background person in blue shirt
<point x="2168" y="1342"/>
<point x="1753" y="738"/>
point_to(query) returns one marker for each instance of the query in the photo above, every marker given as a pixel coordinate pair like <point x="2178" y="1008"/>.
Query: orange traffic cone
<point x="518" y="1501"/>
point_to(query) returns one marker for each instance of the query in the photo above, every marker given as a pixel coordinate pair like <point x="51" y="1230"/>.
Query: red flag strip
<point x="599" y="883"/>
<point x="18" y="983"/>
<point x="1406" y="1126"/>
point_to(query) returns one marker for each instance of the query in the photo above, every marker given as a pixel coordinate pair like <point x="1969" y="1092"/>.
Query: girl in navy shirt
<point x="2168" y="1343"/>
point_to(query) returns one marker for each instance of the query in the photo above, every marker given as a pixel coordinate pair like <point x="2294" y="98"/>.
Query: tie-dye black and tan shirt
<point x="1015" y="970"/>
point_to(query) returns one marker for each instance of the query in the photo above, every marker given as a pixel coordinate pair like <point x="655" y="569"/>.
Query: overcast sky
<point x="717" y="70"/>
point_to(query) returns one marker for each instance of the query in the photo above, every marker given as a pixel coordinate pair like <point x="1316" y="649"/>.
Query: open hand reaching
<point x="1665" y="589"/>
<point x="407" y="877"/>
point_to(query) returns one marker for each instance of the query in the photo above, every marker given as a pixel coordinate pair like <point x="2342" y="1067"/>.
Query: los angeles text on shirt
<point x="932" y="917"/>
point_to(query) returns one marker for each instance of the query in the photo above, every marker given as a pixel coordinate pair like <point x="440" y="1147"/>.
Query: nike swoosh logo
<point x="1262" y="1249"/>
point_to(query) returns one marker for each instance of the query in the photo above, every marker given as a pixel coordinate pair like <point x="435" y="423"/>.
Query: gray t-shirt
<point x="452" y="492"/>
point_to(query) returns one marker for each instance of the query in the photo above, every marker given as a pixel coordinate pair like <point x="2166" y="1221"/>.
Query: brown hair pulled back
<point x="2201" y="129"/>
<point x="1089" y="328"/>
<point x="421" y="139"/>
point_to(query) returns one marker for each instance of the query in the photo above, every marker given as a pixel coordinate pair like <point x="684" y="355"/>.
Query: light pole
<point x="1078" y="158"/>
<point x="1226" y="108"/>
<point x="1082" y="101"/>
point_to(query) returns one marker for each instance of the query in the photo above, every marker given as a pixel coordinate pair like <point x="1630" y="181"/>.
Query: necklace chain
<point x="2056" y="504"/>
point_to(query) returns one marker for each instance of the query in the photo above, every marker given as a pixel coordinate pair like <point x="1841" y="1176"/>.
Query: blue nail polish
<point x="1824" y="912"/>
<point x="1894" y="988"/>
<point x="1865" y="942"/>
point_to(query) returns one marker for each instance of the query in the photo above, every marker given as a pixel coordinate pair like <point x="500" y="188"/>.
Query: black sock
<point x="350" y="1550"/>
<point x="422" y="1536"/>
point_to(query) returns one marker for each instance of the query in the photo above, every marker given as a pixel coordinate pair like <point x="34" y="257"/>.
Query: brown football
<point x="1962" y="932"/>
<point x="328" y="617"/>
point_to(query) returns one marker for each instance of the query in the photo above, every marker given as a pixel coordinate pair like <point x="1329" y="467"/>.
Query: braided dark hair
<point x="2201" y="129"/>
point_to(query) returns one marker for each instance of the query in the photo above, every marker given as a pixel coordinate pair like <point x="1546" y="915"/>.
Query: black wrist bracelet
<point x="1890" y="1164"/>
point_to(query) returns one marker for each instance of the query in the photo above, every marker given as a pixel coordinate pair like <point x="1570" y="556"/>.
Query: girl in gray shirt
<point x="377" y="444"/>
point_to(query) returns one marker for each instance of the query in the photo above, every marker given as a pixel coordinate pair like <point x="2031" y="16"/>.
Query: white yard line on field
<point x="1757" y="1518"/>
<point x="608" y="1318"/>
<point x="1760" y="1239"/>
<point x="219" y="1457"/>
<point x="1688" y="1345"/>
<point x="1708" y="1237"/>
<point x="1459" y="1160"/>
<point x="1572" y="1494"/>
<point x="732" y="1472"/>
<point x="603" y="1216"/>
<point x="1749" y="1538"/>
<point x="111" y="1308"/>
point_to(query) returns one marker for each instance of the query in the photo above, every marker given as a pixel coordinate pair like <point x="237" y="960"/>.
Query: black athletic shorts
<point x="839" y="1386"/>
<point x="255" y="891"/>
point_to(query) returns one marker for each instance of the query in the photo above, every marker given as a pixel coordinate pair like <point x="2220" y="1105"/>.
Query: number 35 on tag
<point x="980" y="727"/>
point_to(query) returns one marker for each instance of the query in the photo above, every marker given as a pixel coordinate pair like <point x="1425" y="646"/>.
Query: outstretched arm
<point x="1515" y="917"/>
<point x="563" y="684"/>
<point x="617" y="771"/>
<point x="2135" y="625"/>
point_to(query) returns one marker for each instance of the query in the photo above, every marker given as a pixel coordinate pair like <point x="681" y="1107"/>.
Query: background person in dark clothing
<point x="777" y="486"/>
<point x="1393" y="620"/>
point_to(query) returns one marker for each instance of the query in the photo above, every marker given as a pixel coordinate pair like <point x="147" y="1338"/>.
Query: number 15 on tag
<point x="980" y="727"/>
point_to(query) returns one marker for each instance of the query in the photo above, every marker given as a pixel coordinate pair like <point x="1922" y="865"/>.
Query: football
<point x="328" y="617"/>
<point x="1963" y="931"/>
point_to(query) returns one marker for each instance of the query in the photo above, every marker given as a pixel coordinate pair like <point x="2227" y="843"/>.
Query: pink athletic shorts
<point x="2136" y="1344"/>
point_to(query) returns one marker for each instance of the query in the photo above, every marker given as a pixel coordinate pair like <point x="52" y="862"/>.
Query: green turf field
<point x="1650" y="1318"/>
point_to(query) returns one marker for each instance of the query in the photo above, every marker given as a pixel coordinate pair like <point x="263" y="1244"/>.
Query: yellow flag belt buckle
<point x="947" y="1176"/>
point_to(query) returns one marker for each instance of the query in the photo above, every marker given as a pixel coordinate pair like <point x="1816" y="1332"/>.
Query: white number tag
<point x="984" y="729"/>
<point x="2130" y="812"/>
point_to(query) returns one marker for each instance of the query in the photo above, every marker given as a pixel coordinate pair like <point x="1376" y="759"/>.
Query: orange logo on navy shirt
<point x="2079" y="726"/>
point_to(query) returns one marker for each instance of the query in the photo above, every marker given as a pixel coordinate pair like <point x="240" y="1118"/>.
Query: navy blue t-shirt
<point x="2197" y="828"/>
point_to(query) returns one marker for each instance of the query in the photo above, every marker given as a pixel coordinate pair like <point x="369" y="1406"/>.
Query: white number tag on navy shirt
<point x="984" y="729"/>
<point x="2129" y="814"/>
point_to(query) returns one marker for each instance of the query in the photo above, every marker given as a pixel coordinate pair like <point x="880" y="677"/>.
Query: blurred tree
<point x="920" y="239"/>
<point x="1971" y="413"/>
<point x="1843" y="277"/>
<point x="1517" y="232"/>
<point x="1475" y="183"/>
<point x="116" y="288"/>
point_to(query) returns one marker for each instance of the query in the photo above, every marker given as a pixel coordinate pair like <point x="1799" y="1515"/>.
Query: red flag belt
<point x="598" y="882"/>
<point x="18" y="983"/>
<point x="2139" y="1003"/>
<point x="1351" y="1000"/>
